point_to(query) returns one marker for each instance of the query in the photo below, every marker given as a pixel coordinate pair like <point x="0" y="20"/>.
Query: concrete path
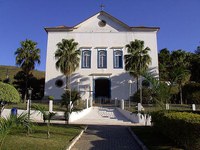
<point x="101" y="137"/>
<point x="104" y="116"/>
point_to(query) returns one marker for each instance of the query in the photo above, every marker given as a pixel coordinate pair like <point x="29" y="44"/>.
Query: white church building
<point x="101" y="40"/>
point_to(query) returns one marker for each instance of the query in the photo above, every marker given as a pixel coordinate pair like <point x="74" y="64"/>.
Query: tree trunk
<point x="137" y="83"/>
<point x="181" y="94"/>
<point x="48" y="129"/>
<point x="140" y="90"/>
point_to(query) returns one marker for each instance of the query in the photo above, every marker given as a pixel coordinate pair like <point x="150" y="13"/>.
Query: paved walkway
<point x="104" y="116"/>
<point x="106" y="138"/>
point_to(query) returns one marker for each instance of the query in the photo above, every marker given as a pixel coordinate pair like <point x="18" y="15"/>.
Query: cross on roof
<point x="102" y="7"/>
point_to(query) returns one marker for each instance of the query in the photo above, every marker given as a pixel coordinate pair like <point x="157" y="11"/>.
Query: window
<point x="59" y="83"/>
<point x="102" y="58"/>
<point x="117" y="61"/>
<point x="86" y="59"/>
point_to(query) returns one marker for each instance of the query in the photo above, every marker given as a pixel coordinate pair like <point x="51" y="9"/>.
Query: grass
<point x="172" y="107"/>
<point x="61" y="135"/>
<point x="153" y="139"/>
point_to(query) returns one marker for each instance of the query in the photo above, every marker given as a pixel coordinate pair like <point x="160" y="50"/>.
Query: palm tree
<point x="137" y="60"/>
<point x="67" y="57"/>
<point x="27" y="56"/>
<point x="179" y="76"/>
<point x="47" y="116"/>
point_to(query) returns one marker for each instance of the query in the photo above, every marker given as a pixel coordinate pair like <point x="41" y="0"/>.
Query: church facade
<point x="101" y="40"/>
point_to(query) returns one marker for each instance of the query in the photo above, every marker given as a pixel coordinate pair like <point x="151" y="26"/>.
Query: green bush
<point x="8" y="93"/>
<point x="191" y="93"/>
<point x="182" y="127"/>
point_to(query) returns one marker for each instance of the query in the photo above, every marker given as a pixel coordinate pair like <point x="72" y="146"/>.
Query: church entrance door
<point x="102" y="90"/>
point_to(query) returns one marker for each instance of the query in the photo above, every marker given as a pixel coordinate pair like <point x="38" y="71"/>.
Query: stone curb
<point x="137" y="140"/>
<point x="76" y="139"/>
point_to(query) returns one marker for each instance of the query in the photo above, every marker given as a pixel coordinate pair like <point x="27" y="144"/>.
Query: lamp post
<point x="29" y="101"/>
<point x="129" y="82"/>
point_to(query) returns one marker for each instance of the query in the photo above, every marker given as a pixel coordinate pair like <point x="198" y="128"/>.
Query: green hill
<point x="12" y="70"/>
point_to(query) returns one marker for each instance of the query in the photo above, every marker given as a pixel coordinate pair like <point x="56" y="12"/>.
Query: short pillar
<point x="167" y="106"/>
<point x="90" y="102"/>
<point x="193" y="107"/>
<point x="86" y="103"/>
<point x="50" y="105"/>
<point x="115" y="102"/>
<point x="140" y="107"/>
<point x="28" y="104"/>
<point x="122" y="104"/>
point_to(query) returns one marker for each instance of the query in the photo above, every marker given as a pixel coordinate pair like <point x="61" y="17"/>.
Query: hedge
<point x="182" y="127"/>
<point x="8" y="93"/>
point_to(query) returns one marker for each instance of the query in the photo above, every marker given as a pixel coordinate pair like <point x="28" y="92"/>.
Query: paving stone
<point x="101" y="137"/>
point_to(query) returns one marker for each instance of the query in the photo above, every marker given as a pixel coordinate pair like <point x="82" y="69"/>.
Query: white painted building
<point x="102" y="39"/>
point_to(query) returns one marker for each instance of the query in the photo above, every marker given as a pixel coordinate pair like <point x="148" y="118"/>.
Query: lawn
<point x="153" y="139"/>
<point x="61" y="135"/>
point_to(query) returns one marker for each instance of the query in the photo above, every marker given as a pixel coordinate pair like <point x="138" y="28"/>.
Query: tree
<point x="8" y="94"/>
<point x="68" y="60"/>
<point x="160" y="91"/>
<point x="47" y="116"/>
<point x="164" y="64"/>
<point x="137" y="60"/>
<point x="26" y="57"/>
<point x="67" y="57"/>
<point x="68" y="102"/>
<point x="179" y="76"/>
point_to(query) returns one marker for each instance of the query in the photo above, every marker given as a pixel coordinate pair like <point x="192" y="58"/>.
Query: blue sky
<point x="179" y="21"/>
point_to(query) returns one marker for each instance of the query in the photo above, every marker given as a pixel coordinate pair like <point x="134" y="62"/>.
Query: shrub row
<point x="182" y="127"/>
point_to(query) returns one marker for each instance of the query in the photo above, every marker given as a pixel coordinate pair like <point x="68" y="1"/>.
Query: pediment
<point x="101" y="22"/>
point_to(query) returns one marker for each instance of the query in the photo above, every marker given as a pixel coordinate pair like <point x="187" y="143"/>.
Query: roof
<point x="67" y="28"/>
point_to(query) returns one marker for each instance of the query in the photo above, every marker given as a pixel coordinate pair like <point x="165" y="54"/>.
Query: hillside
<point x="12" y="70"/>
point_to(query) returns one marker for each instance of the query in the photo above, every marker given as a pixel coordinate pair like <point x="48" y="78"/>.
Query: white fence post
<point x="86" y="103"/>
<point x="193" y="107"/>
<point x="167" y="106"/>
<point x="122" y="104"/>
<point x="50" y="105"/>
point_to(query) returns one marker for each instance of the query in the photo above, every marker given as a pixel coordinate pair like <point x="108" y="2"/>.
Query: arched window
<point x="118" y="63"/>
<point x="102" y="59"/>
<point x="86" y="59"/>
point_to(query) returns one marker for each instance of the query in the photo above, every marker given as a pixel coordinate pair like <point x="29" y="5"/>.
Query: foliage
<point x="137" y="60"/>
<point x="195" y="65"/>
<point x="7" y="125"/>
<point x="37" y="84"/>
<point x="191" y="93"/>
<point x="68" y="99"/>
<point x="27" y="55"/>
<point x="160" y="91"/>
<point x="50" y="98"/>
<point x="67" y="57"/>
<point x="8" y="93"/>
<point x="146" y="96"/>
<point x="47" y="116"/>
<point x="183" y="128"/>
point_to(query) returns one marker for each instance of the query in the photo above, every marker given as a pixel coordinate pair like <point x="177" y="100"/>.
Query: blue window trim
<point x="98" y="65"/>
<point x="115" y="50"/>
<point x="85" y="50"/>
